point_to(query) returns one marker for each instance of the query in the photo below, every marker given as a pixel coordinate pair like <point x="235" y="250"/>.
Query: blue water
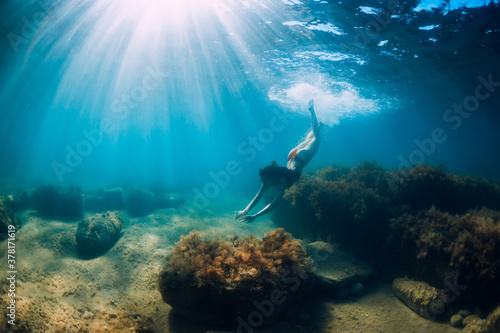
<point x="109" y="92"/>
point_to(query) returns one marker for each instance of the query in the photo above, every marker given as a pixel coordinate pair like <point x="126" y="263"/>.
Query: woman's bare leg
<point x="307" y="148"/>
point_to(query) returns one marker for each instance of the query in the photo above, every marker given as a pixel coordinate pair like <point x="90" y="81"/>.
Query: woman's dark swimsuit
<point x="293" y="156"/>
<point x="291" y="176"/>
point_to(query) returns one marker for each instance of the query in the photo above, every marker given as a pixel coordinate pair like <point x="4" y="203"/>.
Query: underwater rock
<point x="464" y="313"/>
<point x="347" y="204"/>
<point x="492" y="324"/>
<point x="245" y="282"/>
<point x="473" y="324"/>
<point x="105" y="200"/>
<point x="140" y="202"/>
<point x="354" y="205"/>
<point x="93" y="203"/>
<point x="18" y="202"/>
<point x="357" y="289"/>
<point x="339" y="269"/>
<point x="471" y="318"/>
<point x="98" y="233"/>
<point x="56" y="202"/>
<point x="423" y="187"/>
<point x="169" y="200"/>
<point x="317" y="250"/>
<point x="456" y="321"/>
<point x="422" y="298"/>
<point x="6" y="218"/>
<point x="444" y="249"/>
<point x="113" y="199"/>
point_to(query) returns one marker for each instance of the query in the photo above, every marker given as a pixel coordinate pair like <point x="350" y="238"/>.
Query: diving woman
<point x="280" y="177"/>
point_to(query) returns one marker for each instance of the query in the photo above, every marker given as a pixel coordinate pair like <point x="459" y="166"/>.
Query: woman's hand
<point x="240" y="214"/>
<point x="247" y="218"/>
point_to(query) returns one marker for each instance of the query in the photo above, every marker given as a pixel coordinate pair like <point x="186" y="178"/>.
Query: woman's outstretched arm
<point x="255" y="200"/>
<point x="277" y="198"/>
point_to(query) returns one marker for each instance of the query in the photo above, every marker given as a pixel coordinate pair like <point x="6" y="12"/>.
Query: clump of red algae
<point x="219" y="281"/>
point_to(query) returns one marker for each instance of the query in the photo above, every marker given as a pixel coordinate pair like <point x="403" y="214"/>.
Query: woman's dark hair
<point x="274" y="171"/>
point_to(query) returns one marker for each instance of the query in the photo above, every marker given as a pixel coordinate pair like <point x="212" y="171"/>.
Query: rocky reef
<point x="104" y="200"/>
<point x="422" y="187"/>
<point x="139" y="202"/>
<point x="440" y="248"/>
<point x="423" y="222"/>
<point x="349" y="204"/>
<point x="57" y="202"/>
<point x="245" y="282"/>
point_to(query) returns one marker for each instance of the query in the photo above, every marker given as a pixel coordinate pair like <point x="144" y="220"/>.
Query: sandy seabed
<point x="58" y="291"/>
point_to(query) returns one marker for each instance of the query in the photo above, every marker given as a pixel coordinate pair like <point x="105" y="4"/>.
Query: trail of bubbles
<point x="332" y="103"/>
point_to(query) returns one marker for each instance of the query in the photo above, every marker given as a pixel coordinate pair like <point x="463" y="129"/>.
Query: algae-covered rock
<point x="421" y="297"/>
<point x="471" y="318"/>
<point x="244" y="282"/>
<point x="140" y="202"/>
<point x="456" y="321"/>
<point x="6" y="218"/>
<point x="387" y="217"/>
<point x="105" y="200"/>
<point x="492" y="324"/>
<point x="341" y="202"/>
<point x="57" y="202"/>
<point x="18" y="201"/>
<point x="473" y="324"/>
<point x="442" y="249"/>
<point x="113" y="199"/>
<point x="464" y="312"/>
<point x="98" y="233"/>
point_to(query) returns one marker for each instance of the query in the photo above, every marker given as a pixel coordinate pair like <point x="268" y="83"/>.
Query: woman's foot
<point x="311" y="105"/>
